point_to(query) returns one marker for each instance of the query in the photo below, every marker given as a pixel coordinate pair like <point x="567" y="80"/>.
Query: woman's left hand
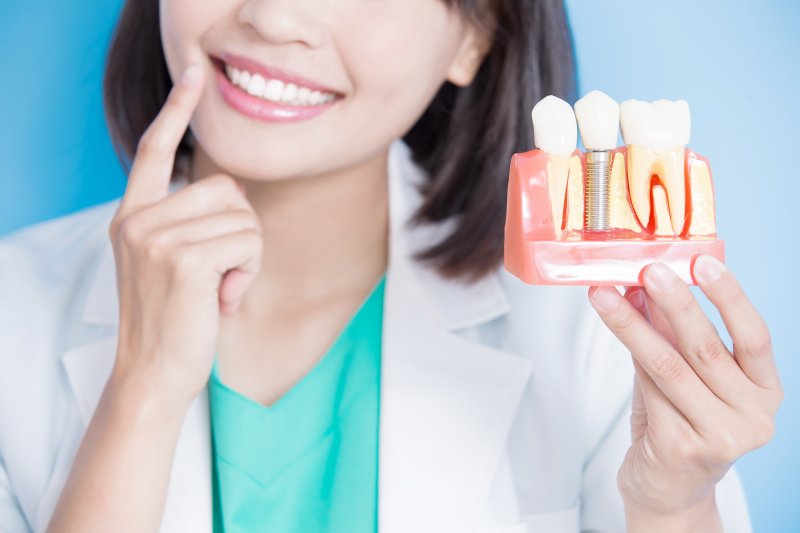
<point x="697" y="407"/>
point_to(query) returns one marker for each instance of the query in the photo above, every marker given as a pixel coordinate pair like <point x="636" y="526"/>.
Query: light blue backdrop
<point x="735" y="62"/>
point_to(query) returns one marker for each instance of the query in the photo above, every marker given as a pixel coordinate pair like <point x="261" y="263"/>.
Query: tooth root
<point x="669" y="167"/>
<point x="656" y="134"/>
<point x="703" y="220"/>
<point x="640" y="165"/>
<point x="619" y="209"/>
<point x="557" y="174"/>
<point x="671" y="173"/>
<point x="663" y="224"/>
<point x="575" y="205"/>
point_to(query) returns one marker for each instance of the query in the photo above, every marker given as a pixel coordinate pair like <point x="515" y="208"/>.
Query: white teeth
<point x="302" y="95"/>
<point x="598" y="120"/>
<point x="656" y="134"/>
<point x="556" y="133"/>
<point x="256" y="85"/>
<point x="289" y="93"/>
<point x="554" y="128"/>
<point x="244" y="80"/>
<point x="276" y="90"/>
<point x="661" y="125"/>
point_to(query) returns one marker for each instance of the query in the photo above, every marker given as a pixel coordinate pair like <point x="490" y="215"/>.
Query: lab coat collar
<point x="447" y="401"/>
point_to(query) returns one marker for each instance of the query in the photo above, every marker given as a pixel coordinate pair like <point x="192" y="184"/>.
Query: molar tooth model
<point x="599" y="218"/>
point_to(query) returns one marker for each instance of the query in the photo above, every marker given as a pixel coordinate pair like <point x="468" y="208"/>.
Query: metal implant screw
<point x="596" y="192"/>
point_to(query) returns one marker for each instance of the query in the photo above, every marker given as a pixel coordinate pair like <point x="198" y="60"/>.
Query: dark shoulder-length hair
<point x="464" y="140"/>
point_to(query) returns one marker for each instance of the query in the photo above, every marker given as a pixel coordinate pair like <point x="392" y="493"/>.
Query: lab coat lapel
<point x="447" y="403"/>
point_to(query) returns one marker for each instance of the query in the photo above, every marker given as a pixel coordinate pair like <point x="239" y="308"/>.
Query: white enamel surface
<point x="290" y="93"/>
<point x="276" y="90"/>
<point x="555" y="130"/>
<point x="273" y="90"/>
<point x="256" y="85"/>
<point x="598" y="120"/>
<point x="659" y="125"/>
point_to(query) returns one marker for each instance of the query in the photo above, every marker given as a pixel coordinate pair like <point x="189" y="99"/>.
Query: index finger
<point x="151" y="172"/>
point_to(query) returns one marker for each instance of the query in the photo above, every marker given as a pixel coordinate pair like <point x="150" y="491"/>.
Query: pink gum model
<point x="535" y="254"/>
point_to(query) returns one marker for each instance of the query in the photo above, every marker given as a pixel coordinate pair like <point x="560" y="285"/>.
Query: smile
<point x="276" y="90"/>
<point x="272" y="99"/>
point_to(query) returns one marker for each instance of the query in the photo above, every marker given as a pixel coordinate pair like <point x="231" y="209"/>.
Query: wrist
<point x="702" y="515"/>
<point x="146" y="396"/>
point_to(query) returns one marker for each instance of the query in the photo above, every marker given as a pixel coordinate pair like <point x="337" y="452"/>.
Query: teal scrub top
<point x="309" y="461"/>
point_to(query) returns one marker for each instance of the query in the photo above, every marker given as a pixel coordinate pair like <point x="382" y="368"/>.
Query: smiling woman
<point x="296" y="317"/>
<point x="415" y="92"/>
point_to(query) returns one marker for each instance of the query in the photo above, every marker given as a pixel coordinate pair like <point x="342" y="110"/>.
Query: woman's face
<point x="384" y="59"/>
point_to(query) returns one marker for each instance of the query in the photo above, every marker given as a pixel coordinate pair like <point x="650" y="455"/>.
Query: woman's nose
<point x="286" y="21"/>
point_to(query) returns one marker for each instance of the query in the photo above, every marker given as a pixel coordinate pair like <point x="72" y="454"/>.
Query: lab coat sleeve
<point x="12" y="520"/>
<point x="609" y="392"/>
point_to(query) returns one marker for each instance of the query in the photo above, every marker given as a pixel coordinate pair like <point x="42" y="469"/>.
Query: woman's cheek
<point x="175" y="35"/>
<point x="183" y="24"/>
<point x="394" y="76"/>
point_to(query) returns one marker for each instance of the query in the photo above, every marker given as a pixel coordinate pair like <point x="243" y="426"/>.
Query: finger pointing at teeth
<point x="155" y="154"/>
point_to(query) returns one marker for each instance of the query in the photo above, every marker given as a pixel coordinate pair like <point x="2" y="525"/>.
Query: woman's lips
<point x="260" y="108"/>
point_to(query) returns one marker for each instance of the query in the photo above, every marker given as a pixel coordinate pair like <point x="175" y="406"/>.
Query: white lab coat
<point x="504" y="407"/>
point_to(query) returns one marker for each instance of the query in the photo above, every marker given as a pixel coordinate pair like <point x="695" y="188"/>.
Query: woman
<point x="212" y="323"/>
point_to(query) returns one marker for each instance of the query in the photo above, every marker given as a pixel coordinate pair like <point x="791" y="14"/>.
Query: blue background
<point x="735" y="62"/>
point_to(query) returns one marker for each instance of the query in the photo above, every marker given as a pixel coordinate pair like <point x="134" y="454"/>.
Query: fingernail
<point x="661" y="276"/>
<point x="708" y="269"/>
<point x="606" y="297"/>
<point x="637" y="299"/>
<point x="191" y="75"/>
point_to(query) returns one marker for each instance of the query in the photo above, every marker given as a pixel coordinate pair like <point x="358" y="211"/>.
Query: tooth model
<point x="598" y="119"/>
<point x="599" y="218"/>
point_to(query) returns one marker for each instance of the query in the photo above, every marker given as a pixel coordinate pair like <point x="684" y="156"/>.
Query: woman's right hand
<point x="181" y="259"/>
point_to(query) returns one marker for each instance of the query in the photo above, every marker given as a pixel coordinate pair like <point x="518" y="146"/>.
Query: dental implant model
<point x="599" y="218"/>
<point x="598" y="120"/>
